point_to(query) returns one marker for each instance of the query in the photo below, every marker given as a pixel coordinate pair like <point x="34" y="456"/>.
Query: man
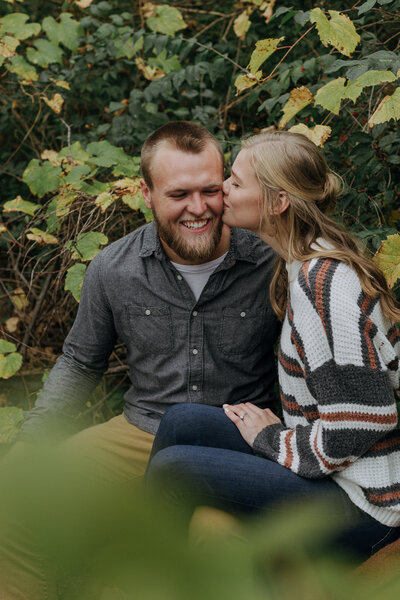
<point x="189" y="299"/>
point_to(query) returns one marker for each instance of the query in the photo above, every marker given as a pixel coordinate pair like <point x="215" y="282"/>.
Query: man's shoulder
<point x="250" y="245"/>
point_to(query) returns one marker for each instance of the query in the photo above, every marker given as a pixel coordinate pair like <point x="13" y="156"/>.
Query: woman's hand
<point x="250" y="419"/>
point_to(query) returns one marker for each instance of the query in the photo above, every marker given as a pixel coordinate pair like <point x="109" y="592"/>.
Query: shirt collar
<point x="242" y="247"/>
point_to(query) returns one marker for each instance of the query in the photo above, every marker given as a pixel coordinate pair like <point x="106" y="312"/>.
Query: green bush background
<point x="84" y="83"/>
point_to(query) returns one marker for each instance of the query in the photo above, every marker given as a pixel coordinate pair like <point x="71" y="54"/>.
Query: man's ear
<point x="146" y="194"/>
<point x="281" y="204"/>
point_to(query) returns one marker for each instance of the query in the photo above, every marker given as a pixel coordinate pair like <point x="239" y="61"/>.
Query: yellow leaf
<point x="20" y="205"/>
<point x="264" y="49"/>
<point x="104" y="200"/>
<point x="3" y="229"/>
<point x="388" y="109"/>
<point x="388" y="258"/>
<point x="148" y="10"/>
<point x="330" y="95"/>
<point x="83" y="3"/>
<point x="298" y="99"/>
<point x="19" y="299"/>
<point x="127" y="185"/>
<point x="247" y="81"/>
<point x="61" y="83"/>
<point x="318" y="134"/>
<point x="268" y="8"/>
<point x="12" y="324"/>
<point x="8" y="46"/>
<point x="150" y="73"/>
<point x="339" y="31"/>
<point x="52" y="157"/>
<point x="63" y="203"/>
<point x="55" y="102"/>
<point x="241" y="24"/>
<point x="41" y="237"/>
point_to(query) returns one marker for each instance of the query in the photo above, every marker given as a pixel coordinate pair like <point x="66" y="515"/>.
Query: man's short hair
<point x="184" y="135"/>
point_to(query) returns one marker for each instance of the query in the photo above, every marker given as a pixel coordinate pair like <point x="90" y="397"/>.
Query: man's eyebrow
<point x="210" y="186"/>
<point x="236" y="176"/>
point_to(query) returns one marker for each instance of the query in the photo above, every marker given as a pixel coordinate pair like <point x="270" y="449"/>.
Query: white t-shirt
<point x="197" y="276"/>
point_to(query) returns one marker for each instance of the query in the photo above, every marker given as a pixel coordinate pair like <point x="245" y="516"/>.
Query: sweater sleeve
<point x="336" y="388"/>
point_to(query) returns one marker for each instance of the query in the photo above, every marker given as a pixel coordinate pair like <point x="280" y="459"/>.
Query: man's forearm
<point x="62" y="399"/>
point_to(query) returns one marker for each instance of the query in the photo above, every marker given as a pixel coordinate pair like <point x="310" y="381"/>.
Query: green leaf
<point x="136" y="202"/>
<point x="339" y="31"/>
<point x="388" y="258"/>
<point x="21" y="68"/>
<point x="76" y="174"/>
<point x="165" y="64"/>
<point x="20" y="205"/>
<point x="45" y="54"/>
<point x="74" y="280"/>
<point x="264" y="49"/>
<point x="388" y="109"/>
<point x="87" y="245"/>
<point x="78" y="154"/>
<point x="168" y="20"/>
<point x="6" y="347"/>
<point x="41" y="179"/>
<point x="10" y="419"/>
<point x="366" y="7"/>
<point x="104" y="154"/>
<point x="66" y="32"/>
<point x="369" y="78"/>
<point x="10" y="364"/>
<point x="17" y="26"/>
<point x="330" y="95"/>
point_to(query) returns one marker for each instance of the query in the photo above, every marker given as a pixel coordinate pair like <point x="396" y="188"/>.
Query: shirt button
<point x="195" y="313"/>
<point x="194" y="388"/>
<point x="147" y="312"/>
<point x="243" y="314"/>
<point x="179" y="277"/>
<point x="195" y="351"/>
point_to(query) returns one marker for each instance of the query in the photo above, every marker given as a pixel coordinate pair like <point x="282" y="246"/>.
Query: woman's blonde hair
<point x="292" y="163"/>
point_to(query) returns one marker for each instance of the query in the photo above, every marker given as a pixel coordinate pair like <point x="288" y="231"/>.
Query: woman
<point x="338" y="365"/>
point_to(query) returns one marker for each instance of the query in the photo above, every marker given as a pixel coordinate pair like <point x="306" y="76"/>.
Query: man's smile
<point x="196" y="224"/>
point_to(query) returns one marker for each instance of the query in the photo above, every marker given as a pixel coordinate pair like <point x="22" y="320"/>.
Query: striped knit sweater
<point x="338" y="369"/>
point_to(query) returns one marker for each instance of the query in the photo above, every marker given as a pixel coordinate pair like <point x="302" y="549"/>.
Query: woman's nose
<point x="225" y="186"/>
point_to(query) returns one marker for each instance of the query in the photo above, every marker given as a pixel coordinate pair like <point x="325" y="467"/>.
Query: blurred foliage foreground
<point x="114" y="543"/>
<point x="84" y="82"/>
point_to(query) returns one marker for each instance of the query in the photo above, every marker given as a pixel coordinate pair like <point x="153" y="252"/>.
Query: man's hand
<point x="250" y="419"/>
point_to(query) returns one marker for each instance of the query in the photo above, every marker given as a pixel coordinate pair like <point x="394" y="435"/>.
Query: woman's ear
<point x="281" y="203"/>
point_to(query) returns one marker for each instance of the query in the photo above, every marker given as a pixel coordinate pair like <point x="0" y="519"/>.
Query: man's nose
<point x="197" y="204"/>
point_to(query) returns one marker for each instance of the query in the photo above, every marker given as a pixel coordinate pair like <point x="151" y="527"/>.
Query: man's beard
<point x="202" y="247"/>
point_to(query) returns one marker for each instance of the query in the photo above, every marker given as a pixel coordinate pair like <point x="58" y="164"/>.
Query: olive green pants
<point x="113" y="453"/>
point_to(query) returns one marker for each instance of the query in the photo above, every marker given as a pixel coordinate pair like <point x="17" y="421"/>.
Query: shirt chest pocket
<point x="151" y="328"/>
<point x="241" y="330"/>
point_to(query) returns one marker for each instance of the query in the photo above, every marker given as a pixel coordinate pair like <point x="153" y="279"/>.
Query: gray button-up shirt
<point x="218" y="349"/>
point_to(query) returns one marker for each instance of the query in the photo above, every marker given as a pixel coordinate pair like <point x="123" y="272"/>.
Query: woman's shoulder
<point x="320" y="275"/>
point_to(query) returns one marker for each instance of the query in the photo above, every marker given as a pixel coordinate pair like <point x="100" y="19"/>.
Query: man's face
<point x="186" y="200"/>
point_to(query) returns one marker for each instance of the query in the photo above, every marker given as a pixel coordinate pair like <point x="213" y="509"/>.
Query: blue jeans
<point x="199" y="457"/>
